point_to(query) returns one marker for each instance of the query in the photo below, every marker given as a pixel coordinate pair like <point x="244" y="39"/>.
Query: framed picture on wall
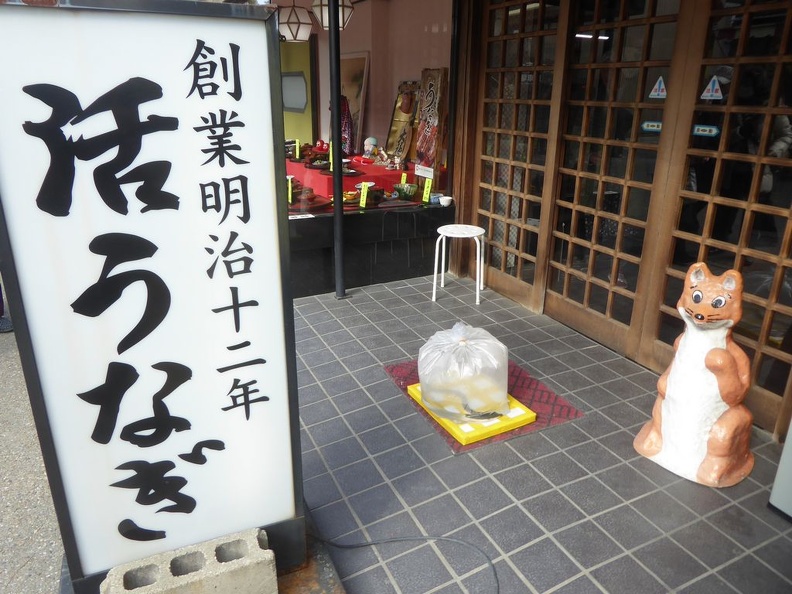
<point x="354" y="79"/>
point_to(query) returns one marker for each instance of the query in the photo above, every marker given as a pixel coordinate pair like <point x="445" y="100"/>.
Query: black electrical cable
<point x="371" y="543"/>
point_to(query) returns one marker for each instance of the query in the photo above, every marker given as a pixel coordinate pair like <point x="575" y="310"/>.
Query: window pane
<point x="512" y="53"/>
<point x="539" y="151"/>
<point x="545" y="87"/>
<point x="526" y="85"/>
<point x="571" y="154"/>
<point x="490" y="115"/>
<point x="662" y="41"/>
<point x="633" y="44"/>
<point x="765" y="30"/>
<point x="667" y="7"/>
<point x="494" y="52"/>
<point x="644" y="165"/>
<point x="550" y="14"/>
<point x="496" y="22"/>
<point x="542" y="113"/>
<point x="548" y="50"/>
<point x="529" y="51"/>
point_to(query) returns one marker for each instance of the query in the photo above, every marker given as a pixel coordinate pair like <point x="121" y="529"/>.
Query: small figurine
<point x="370" y="147"/>
<point x="306" y="150"/>
<point x="700" y="428"/>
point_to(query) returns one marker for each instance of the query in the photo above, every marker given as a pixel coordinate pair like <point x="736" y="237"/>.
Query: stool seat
<point x="460" y="231"/>
<point x="464" y="232"/>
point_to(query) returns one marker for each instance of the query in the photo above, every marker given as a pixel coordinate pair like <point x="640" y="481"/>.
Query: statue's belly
<point x="691" y="406"/>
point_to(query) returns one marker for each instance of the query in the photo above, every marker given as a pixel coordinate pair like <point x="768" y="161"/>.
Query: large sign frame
<point x="145" y="257"/>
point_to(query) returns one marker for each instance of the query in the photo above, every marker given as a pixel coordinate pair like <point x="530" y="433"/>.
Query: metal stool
<point x="463" y="231"/>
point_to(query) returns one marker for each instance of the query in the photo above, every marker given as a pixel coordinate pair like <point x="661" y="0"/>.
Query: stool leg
<point x="481" y="262"/>
<point x="478" y="270"/>
<point x="437" y="253"/>
<point x="442" y="267"/>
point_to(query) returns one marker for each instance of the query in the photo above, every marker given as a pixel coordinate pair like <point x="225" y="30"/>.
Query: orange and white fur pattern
<point x="700" y="429"/>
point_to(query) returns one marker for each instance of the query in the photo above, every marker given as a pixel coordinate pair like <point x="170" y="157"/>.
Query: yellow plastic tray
<point x="471" y="432"/>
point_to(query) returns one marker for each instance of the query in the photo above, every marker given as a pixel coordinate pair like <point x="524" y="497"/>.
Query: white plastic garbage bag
<point x="464" y="374"/>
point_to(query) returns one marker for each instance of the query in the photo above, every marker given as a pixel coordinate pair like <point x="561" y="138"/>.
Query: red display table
<point x="322" y="182"/>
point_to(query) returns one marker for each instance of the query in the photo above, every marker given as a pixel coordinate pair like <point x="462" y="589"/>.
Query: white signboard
<point x="137" y="182"/>
<point x="423" y="171"/>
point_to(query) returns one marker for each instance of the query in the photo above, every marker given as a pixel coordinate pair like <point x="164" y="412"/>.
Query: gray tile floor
<point x="570" y="509"/>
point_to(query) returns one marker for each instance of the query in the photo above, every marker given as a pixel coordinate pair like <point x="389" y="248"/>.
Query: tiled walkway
<point x="570" y="509"/>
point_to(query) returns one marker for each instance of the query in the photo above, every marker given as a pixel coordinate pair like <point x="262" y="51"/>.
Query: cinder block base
<point x="239" y="563"/>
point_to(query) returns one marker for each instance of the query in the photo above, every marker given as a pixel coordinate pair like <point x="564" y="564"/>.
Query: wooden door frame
<point x="471" y="27"/>
<point x="551" y="179"/>
<point x="468" y="31"/>
<point x="533" y="296"/>
<point x="677" y="122"/>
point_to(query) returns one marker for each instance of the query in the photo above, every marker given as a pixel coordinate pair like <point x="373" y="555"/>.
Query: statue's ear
<point x="697" y="275"/>
<point x="730" y="283"/>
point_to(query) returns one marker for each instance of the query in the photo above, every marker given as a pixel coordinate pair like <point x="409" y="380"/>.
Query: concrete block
<point x="238" y="563"/>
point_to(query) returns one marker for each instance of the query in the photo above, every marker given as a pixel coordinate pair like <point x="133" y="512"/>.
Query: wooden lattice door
<point x="611" y="126"/>
<point x="619" y="141"/>
<point x="734" y="207"/>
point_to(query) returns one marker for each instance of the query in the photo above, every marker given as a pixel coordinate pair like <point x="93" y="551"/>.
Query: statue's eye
<point x="697" y="296"/>
<point x="719" y="301"/>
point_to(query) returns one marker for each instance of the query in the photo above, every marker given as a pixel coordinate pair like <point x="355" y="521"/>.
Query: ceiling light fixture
<point x="294" y="23"/>
<point x="321" y="10"/>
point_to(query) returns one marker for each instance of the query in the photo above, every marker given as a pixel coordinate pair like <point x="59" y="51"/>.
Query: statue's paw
<point x="723" y="472"/>
<point x="720" y="359"/>
<point x="649" y="441"/>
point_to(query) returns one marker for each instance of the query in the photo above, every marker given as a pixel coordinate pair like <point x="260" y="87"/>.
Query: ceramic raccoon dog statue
<point x="700" y="429"/>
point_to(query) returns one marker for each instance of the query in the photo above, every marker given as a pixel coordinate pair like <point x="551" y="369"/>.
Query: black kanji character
<point x="236" y="306"/>
<point x="205" y="68"/>
<point x="153" y="486"/>
<point x="119" y="248"/>
<point x="236" y="347"/>
<point x="240" y="394"/>
<point x="123" y="101"/>
<point x="213" y="199"/>
<point x="120" y="377"/>
<point x="154" y="430"/>
<point x="197" y="456"/>
<point x="219" y="126"/>
<point x="131" y="531"/>
<point x="234" y="266"/>
<point x="240" y="345"/>
<point x="227" y="368"/>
